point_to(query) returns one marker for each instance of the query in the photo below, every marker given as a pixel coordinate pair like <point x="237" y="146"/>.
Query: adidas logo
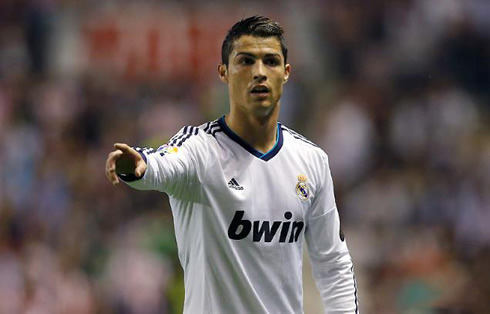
<point x="233" y="184"/>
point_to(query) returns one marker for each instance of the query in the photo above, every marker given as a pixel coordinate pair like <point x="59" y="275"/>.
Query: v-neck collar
<point x="264" y="156"/>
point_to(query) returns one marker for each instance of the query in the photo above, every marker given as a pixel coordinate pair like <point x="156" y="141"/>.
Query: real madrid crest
<point x="302" y="188"/>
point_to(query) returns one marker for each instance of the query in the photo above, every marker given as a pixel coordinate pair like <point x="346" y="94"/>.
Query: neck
<point x="258" y="131"/>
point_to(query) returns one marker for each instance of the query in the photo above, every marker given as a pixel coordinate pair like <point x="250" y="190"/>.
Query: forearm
<point x="336" y="283"/>
<point x="332" y="264"/>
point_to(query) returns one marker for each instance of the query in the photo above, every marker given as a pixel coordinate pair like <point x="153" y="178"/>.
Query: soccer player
<point x="246" y="192"/>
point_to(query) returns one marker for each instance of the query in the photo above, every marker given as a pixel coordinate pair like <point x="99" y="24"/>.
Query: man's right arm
<point x="172" y="168"/>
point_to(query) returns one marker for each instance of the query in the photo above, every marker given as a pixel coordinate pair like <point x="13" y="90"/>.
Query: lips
<point x="260" y="89"/>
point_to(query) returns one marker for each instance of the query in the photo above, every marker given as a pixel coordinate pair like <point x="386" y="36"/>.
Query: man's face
<point x="255" y="74"/>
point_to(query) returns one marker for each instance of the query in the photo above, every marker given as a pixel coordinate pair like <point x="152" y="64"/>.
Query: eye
<point x="246" y="61"/>
<point x="273" y="61"/>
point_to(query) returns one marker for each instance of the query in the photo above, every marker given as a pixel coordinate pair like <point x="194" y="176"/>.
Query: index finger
<point x="125" y="148"/>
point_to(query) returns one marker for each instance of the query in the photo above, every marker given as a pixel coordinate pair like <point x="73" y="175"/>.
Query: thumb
<point x="140" y="170"/>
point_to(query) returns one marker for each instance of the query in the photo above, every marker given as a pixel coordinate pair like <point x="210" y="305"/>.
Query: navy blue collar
<point x="264" y="156"/>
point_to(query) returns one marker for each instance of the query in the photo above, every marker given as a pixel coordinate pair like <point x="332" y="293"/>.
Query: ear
<point x="223" y="73"/>
<point x="287" y="71"/>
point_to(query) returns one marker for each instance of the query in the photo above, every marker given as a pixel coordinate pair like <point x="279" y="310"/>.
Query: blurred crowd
<point x="396" y="92"/>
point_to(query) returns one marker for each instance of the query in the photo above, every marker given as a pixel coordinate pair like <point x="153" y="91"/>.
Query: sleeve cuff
<point x="131" y="177"/>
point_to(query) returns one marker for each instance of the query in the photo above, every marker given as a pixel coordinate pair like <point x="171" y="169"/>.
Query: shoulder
<point x="190" y="133"/>
<point x="298" y="139"/>
<point x="195" y="140"/>
<point x="302" y="145"/>
<point x="211" y="128"/>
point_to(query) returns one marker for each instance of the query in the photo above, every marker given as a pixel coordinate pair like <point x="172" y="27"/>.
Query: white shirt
<point x="241" y="218"/>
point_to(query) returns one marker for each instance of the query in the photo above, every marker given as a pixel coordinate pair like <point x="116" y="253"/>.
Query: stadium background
<point x="396" y="92"/>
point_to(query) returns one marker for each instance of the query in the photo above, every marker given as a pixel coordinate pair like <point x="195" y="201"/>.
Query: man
<point x="245" y="192"/>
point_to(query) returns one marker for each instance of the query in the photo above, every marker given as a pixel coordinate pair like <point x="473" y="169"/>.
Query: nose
<point x="259" y="72"/>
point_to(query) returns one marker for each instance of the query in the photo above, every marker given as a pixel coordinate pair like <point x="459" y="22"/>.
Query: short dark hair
<point x="258" y="26"/>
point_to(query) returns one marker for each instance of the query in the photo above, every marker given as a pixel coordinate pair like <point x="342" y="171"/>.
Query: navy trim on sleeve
<point x="355" y="290"/>
<point x="298" y="136"/>
<point x="184" y="135"/>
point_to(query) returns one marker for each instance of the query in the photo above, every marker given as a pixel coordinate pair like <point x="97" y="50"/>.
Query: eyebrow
<point x="248" y="54"/>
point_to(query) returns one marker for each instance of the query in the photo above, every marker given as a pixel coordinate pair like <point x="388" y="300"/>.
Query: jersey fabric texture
<point x="241" y="218"/>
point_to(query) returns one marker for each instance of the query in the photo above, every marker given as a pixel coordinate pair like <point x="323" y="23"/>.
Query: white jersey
<point x="241" y="218"/>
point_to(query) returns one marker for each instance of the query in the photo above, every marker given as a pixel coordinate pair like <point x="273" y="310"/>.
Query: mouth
<point x="260" y="91"/>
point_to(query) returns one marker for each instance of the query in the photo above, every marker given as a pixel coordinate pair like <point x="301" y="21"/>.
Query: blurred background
<point x="395" y="91"/>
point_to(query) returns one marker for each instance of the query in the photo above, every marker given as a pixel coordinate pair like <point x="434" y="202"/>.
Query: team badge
<point x="167" y="149"/>
<point x="302" y="188"/>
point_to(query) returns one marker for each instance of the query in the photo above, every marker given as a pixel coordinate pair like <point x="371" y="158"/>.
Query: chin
<point x="264" y="109"/>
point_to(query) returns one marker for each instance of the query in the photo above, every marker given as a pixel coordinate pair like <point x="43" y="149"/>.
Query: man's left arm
<point x="333" y="269"/>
